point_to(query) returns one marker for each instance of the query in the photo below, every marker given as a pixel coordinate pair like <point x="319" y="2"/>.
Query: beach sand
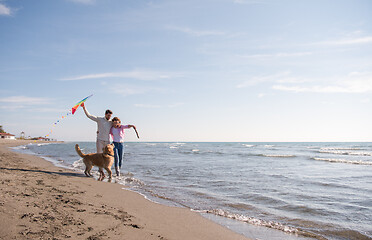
<point x="41" y="201"/>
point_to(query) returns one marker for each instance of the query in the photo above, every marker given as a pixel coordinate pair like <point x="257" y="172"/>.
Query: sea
<point x="261" y="190"/>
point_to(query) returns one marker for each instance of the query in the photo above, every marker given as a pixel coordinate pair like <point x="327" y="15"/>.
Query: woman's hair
<point x="116" y="119"/>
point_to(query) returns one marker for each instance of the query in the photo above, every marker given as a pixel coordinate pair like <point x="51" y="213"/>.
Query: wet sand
<point x="41" y="201"/>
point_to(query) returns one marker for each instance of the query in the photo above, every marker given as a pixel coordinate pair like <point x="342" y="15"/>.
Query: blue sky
<point x="205" y="70"/>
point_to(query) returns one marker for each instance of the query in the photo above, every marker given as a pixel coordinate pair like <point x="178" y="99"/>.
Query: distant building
<point x="7" y="136"/>
<point x="43" y="139"/>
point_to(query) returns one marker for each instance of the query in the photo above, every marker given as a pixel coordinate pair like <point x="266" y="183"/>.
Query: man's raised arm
<point x="94" y="118"/>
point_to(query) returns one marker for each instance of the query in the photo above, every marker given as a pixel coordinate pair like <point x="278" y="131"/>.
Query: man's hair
<point x="116" y="119"/>
<point x="108" y="111"/>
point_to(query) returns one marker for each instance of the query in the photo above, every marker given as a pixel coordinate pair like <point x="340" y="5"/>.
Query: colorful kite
<point x="74" y="108"/>
<point x="70" y="112"/>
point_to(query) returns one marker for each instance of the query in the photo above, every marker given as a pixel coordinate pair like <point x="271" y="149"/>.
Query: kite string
<point x="58" y="121"/>
<point x="70" y="112"/>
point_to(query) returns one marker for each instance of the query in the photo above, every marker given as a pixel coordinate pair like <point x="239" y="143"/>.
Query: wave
<point x="43" y="144"/>
<point x="151" y="144"/>
<point x="79" y="164"/>
<point x="258" y="222"/>
<point x="20" y="147"/>
<point x="129" y="179"/>
<point x="340" y="148"/>
<point x="278" y="155"/>
<point x="334" y="160"/>
<point x="248" y="145"/>
<point x="346" y="153"/>
<point x="176" y="143"/>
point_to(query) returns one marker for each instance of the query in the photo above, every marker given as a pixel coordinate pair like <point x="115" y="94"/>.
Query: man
<point x="104" y="125"/>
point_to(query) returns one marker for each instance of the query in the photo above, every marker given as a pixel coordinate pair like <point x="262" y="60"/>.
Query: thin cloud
<point x="197" y="33"/>
<point x="276" y="55"/>
<point x="314" y="89"/>
<point x="4" y="10"/>
<point x="140" y="105"/>
<point x="135" y="74"/>
<point x="281" y="76"/>
<point x="23" y="100"/>
<point x="14" y="103"/>
<point x="129" y="89"/>
<point x="58" y="110"/>
<point x="365" y="100"/>
<point x="355" y="82"/>
<point x="12" y="108"/>
<point x="349" y="41"/>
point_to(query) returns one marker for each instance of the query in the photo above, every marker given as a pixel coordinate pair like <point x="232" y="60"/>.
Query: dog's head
<point x="109" y="149"/>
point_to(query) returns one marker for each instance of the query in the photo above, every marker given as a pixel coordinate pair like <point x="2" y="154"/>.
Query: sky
<point x="195" y="70"/>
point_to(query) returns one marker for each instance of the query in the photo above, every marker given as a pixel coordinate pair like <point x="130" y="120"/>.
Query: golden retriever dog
<point x="101" y="160"/>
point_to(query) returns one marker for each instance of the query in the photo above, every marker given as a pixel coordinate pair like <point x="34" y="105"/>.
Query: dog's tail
<point x="77" y="148"/>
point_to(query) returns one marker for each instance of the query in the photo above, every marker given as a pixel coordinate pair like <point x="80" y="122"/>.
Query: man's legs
<point x="100" y="144"/>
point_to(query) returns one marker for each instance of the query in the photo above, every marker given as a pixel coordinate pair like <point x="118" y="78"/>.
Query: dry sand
<point x="41" y="201"/>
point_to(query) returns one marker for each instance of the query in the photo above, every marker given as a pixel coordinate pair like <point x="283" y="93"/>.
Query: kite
<point x="70" y="112"/>
<point x="74" y="108"/>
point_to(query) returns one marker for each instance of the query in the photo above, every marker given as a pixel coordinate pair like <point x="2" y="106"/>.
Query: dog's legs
<point x="86" y="172"/>
<point x="86" y="168"/>
<point x="109" y="172"/>
<point x="101" y="174"/>
<point x="89" y="167"/>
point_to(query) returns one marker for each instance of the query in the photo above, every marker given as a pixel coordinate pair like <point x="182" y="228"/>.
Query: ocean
<point x="262" y="190"/>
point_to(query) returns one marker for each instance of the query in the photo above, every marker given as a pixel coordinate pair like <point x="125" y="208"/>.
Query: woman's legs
<point x="116" y="153"/>
<point x="120" y="153"/>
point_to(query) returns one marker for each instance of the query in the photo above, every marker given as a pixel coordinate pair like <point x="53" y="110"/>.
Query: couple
<point x="106" y="128"/>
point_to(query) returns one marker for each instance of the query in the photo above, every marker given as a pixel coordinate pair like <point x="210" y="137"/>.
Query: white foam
<point x="128" y="179"/>
<point x="151" y="144"/>
<point x="20" y="147"/>
<point x="43" y="144"/>
<point x="195" y="150"/>
<point x="334" y="160"/>
<point x="278" y="155"/>
<point x="248" y="145"/>
<point x="340" y="148"/>
<point x="79" y="164"/>
<point x="252" y="220"/>
<point x="337" y="152"/>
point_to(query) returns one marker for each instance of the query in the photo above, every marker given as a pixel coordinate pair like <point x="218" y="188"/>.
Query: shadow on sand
<point x="68" y="174"/>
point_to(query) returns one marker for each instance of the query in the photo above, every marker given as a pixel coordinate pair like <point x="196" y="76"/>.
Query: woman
<point x="117" y="134"/>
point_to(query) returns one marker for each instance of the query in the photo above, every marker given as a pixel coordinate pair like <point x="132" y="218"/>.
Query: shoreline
<point x="40" y="200"/>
